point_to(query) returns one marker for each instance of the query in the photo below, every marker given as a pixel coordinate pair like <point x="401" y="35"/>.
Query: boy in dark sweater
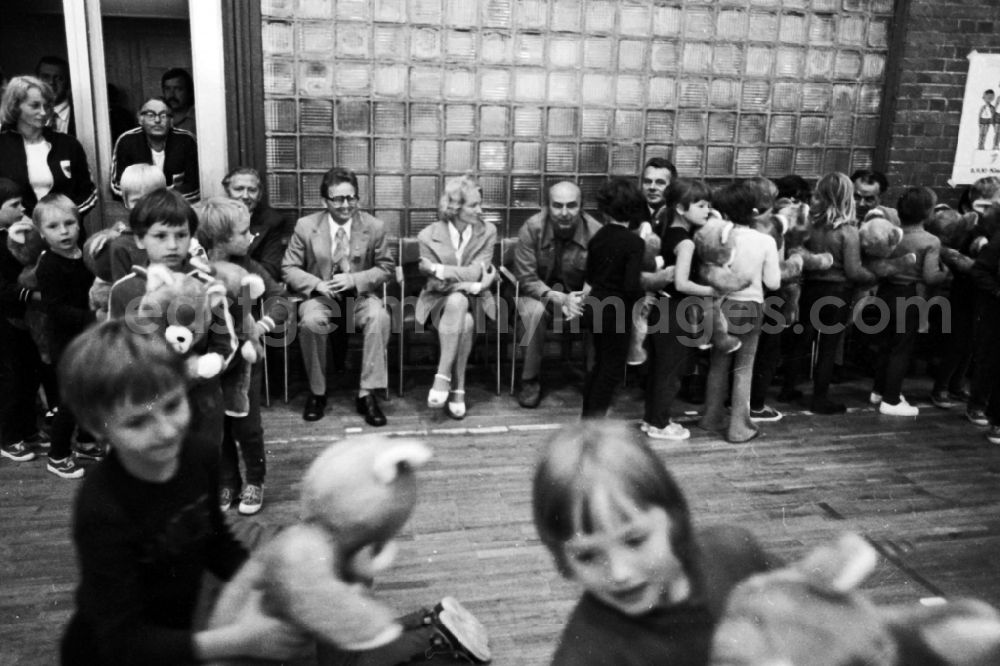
<point x="614" y="264"/>
<point x="64" y="282"/>
<point x="20" y="363"/>
<point x="146" y="526"/>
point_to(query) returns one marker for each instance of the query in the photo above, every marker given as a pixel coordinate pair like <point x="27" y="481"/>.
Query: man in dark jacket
<point x="155" y="141"/>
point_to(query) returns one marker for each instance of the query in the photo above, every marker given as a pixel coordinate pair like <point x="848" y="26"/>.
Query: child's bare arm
<point x="682" y="276"/>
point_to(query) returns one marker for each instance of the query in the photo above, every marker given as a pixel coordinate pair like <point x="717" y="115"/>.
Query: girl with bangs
<point x="617" y="523"/>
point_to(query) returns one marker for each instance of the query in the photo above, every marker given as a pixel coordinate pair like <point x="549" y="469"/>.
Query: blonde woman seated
<point x="456" y="254"/>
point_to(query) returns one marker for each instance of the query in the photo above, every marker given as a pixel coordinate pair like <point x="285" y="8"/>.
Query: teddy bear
<point x="640" y="313"/>
<point x="25" y="243"/>
<point x="812" y="612"/>
<point x="879" y="237"/>
<point x="97" y="257"/>
<point x="715" y="243"/>
<point x="243" y="288"/>
<point x="185" y="308"/>
<point x="790" y="227"/>
<point x="953" y="230"/>
<point x="316" y="574"/>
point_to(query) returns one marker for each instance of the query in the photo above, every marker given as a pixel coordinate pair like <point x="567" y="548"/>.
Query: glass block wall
<point x="527" y="92"/>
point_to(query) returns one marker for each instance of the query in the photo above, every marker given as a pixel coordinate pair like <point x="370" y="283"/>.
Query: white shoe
<point x="672" y="431"/>
<point x="902" y="408"/>
<point x="876" y="398"/>
<point x="437" y="397"/>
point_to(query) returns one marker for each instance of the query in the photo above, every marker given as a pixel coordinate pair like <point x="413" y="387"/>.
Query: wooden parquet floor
<point x="926" y="491"/>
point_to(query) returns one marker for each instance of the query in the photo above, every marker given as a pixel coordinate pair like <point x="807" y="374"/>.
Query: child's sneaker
<point x="901" y="408"/>
<point x="18" y="452"/>
<point x="65" y="468"/>
<point x="458" y="633"/>
<point x="251" y="499"/>
<point x="977" y="416"/>
<point x="941" y="400"/>
<point x="766" y="413"/>
<point x="91" y="452"/>
<point x="674" y="431"/>
<point x="226" y="497"/>
<point x="993" y="434"/>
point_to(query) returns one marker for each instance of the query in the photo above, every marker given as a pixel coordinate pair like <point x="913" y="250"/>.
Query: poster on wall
<point x="978" y="151"/>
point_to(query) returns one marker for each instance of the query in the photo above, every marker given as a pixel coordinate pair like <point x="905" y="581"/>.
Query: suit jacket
<point x="435" y="244"/>
<point x="309" y="259"/>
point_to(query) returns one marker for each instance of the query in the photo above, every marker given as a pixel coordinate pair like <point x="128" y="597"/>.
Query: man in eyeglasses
<point x="338" y="259"/>
<point x="156" y="141"/>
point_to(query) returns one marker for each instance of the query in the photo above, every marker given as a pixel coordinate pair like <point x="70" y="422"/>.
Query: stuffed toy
<point x="315" y="574"/>
<point x="953" y="230"/>
<point x="243" y="288"/>
<point x="640" y="314"/>
<point x="879" y="237"/>
<point x="180" y="306"/>
<point x="715" y="243"/>
<point x="789" y="227"/>
<point x="97" y="257"/>
<point x="811" y="613"/>
<point x="25" y="243"/>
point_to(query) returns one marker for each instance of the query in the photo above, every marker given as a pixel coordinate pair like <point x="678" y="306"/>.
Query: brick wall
<point x="924" y="129"/>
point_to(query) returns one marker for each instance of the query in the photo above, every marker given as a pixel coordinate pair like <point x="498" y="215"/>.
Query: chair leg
<point x="284" y="357"/>
<point x="267" y="379"/>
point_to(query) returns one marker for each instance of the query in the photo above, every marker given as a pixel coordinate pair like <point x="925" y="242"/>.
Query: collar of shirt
<point x="60" y="114"/>
<point x="333" y="233"/>
<point x="459" y="240"/>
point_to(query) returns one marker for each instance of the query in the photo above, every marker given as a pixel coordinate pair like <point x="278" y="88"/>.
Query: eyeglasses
<point x="153" y="115"/>
<point x="340" y="201"/>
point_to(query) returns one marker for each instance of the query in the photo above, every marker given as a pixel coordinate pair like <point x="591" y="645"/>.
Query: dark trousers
<point x="247" y="435"/>
<point x="20" y="376"/>
<point x="896" y="339"/>
<point x="766" y="361"/>
<point x="670" y="355"/>
<point x="207" y="414"/>
<point x="825" y="310"/>
<point x="985" y="353"/>
<point x="989" y="329"/>
<point x="957" y="358"/>
<point x="611" y="344"/>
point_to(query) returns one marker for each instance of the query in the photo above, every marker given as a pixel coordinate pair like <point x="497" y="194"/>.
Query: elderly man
<point x="657" y="174"/>
<point x="549" y="263"/>
<point x="178" y="92"/>
<point x="55" y="72"/>
<point x="338" y="260"/>
<point x="266" y="224"/>
<point x="156" y="141"/>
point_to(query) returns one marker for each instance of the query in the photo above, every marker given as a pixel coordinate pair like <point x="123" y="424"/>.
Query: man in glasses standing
<point x="337" y="260"/>
<point x="156" y="141"/>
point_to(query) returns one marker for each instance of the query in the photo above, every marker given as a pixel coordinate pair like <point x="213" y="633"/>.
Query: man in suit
<point x="337" y="260"/>
<point x="55" y="72"/>
<point x="657" y="174"/>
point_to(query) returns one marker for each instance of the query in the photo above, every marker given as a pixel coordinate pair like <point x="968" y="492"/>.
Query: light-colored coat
<point x="435" y="245"/>
<point x="309" y="260"/>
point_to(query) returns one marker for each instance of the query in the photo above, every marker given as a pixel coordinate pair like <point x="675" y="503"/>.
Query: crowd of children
<point x="164" y="402"/>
